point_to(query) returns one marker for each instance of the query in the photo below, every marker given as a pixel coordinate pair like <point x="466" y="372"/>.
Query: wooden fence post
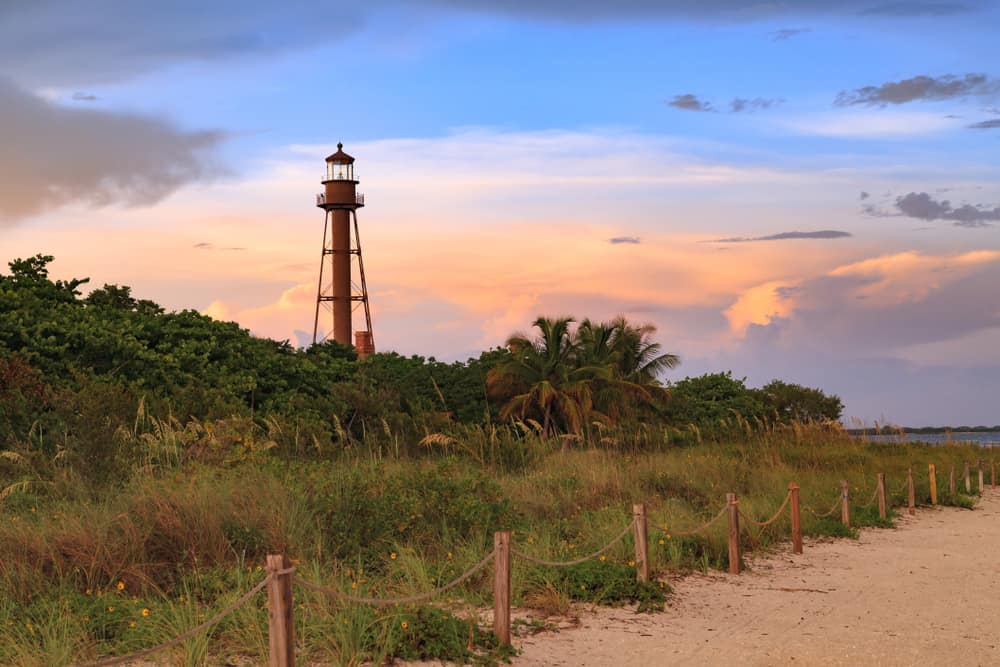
<point x="881" y="495"/>
<point x="501" y="586"/>
<point x="280" y="621"/>
<point x="641" y="542"/>
<point x="734" y="533"/>
<point x="980" y="475"/>
<point x="932" y="475"/>
<point x="951" y="481"/>
<point x="993" y="474"/>
<point x="793" y="489"/>
<point x="845" y="503"/>
<point x="910" y="495"/>
<point x="968" y="482"/>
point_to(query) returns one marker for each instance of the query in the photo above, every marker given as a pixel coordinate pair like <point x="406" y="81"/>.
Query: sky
<point x="799" y="190"/>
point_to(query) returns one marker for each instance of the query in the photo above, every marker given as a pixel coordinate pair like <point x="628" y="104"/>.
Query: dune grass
<point x="122" y="567"/>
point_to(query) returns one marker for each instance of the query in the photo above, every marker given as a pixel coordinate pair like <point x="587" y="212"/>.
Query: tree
<point x="788" y="402"/>
<point x="710" y="400"/>
<point x="634" y="362"/>
<point x="543" y="379"/>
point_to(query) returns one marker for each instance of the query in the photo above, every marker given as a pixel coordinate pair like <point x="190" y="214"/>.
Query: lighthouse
<point x="339" y="293"/>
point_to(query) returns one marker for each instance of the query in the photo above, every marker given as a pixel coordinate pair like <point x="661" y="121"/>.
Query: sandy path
<point x="923" y="594"/>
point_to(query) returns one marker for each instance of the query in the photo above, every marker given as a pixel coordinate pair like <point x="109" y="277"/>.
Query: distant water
<point x="984" y="438"/>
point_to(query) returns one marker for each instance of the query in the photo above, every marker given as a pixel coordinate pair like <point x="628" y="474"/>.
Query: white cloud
<point x="875" y="124"/>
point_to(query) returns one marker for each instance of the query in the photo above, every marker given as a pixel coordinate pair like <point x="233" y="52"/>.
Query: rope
<point x="539" y="561"/>
<point x="872" y="501"/>
<point x="107" y="662"/>
<point x="701" y="528"/>
<point x="826" y="514"/>
<point x="774" y="518"/>
<point x="387" y="602"/>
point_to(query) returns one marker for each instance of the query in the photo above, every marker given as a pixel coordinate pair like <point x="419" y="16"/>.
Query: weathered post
<point x="501" y="586"/>
<point x="641" y="542"/>
<point x="734" y="533"/>
<point x="881" y="495"/>
<point x="968" y="482"/>
<point x="951" y="481"/>
<point x="980" y="475"/>
<point x="793" y="489"/>
<point x="932" y="475"/>
<point x="280" y="626"/>
<point x="845" y="503"/>
<point x="993" y="474"/>
<point x="910" y="495"/>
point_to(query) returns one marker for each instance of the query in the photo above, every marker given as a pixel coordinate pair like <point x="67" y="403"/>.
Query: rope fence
<point x="246" y="597"/>
<point x="768" y="522"/>
<point x="389" y="602"/>
<point x="700" y="529"/>
<point x="569" y="563"/>
<point x="829" y="512"/>
<point x="281" y="575"/>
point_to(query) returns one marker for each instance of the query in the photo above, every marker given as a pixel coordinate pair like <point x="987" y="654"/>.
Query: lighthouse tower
<point x="339" y="294"/>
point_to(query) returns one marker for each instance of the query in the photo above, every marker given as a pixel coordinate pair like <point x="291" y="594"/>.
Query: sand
<point x="925" y="593"/>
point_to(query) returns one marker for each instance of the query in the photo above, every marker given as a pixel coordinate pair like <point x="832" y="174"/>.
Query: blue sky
<point x="176" y="148"/>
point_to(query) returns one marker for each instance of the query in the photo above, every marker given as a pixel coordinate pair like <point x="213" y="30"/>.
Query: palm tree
<point x="635" y="362"/>
<point x="640" y="360"/>
<point x="567" y="379"/>
<point x="544" y="380"/>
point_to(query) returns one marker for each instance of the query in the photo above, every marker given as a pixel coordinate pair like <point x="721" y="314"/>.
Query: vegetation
<point x="150" y="460"/>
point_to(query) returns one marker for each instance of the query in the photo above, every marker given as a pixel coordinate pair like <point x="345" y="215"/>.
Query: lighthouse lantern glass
<point x="338" y="171"/>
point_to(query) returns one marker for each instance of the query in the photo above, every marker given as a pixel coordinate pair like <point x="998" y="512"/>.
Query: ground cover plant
<point x="149" y="461"/>
<point x="92" y="575"/>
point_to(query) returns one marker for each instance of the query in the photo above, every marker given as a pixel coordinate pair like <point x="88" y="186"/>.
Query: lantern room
<point x="339" y="166"/>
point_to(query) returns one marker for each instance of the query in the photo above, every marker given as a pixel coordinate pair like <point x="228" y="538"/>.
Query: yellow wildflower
<point x="110" y="609"/>
<point x="131" y="624"/>
<point x="145" y="612"/>
<point x="404" y="625"/>
<point x="121" y="585"/>
<point x="631" y="563"/>
<point x="393" y="555"/>
<point x="662" y="541"/>
<point x="603" y="558"/>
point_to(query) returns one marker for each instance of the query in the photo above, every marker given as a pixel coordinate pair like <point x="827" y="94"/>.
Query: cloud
<point x="921" y="87"/>
<point x="868" y="124"/>
<point x="711" y="10"/>
<point x="211" y="246"/>
<point x="689" y="102"/>
<point x="864" y="195"/>
<point x="624" y="239"/>
<point x="991" y="124"/>
<point x="739" y="104"/>
<point x="54" y="156"/>
<point x="84" y="97"/>
<point x="922" y="206"/>
<point x="62" y="42"/>
<point x="787" y="236"/>
<point x="917" y="9"/>
<point x="784" y="34"/>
